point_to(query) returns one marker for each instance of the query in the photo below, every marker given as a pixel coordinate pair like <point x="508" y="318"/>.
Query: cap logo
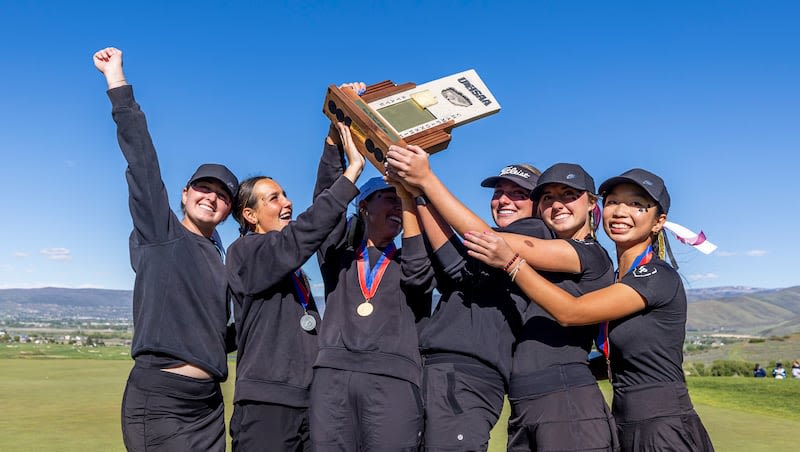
<point x="570" y="176"/>
<point x="647" y="182"/>
<point x="513" y="170"/>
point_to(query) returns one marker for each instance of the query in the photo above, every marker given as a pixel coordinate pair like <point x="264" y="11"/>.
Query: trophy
<point x="422" y="115"/>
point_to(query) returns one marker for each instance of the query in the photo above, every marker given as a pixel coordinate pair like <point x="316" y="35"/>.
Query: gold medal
<point x="364" y="309"/>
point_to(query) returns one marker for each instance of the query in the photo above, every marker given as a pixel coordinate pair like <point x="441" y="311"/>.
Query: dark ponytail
<point x="244" y="199"/>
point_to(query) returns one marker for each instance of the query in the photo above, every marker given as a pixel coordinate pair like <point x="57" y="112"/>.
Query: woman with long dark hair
<point x="277" y="322"/>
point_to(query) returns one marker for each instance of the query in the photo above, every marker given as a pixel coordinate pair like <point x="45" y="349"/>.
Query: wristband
<point x="514" y="272"/>
<point x="421" y="200"/>
<point x="511" y="262"/>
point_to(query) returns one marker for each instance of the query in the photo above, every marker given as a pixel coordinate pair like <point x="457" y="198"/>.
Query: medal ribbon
<point x="301" y="285"/>
<point x="602" y="337"/>
<point x="369" y="278"/>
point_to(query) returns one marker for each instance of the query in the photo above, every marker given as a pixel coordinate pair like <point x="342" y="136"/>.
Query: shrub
<point x="731" y="368"/>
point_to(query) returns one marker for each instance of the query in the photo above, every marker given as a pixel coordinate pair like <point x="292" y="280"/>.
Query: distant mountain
<point x="67" y="297"/>
<point x="715" y="293"/>
<point x="730" y="309"/>
<point x="765" y="313"/>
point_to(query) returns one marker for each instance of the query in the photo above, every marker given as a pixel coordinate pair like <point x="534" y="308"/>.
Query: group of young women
<point x="386" y="370"/>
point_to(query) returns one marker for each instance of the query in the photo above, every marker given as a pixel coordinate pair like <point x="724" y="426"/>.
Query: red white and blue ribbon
<point x="301" y="285"/>
<point x="685" y="235"/>
<point x="370" y="277"/>
<point x="602" y="337"/>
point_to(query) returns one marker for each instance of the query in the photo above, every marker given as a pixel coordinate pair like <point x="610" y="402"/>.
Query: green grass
<point x="62" y="351"/>
<point x="73" y="405"/>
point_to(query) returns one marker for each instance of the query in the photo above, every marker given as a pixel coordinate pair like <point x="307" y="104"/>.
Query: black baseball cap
<point x="569" y="174"/>
<point x="522" y="174"/>
<point x="649" y="182"/>
<point x="218" y="172"/>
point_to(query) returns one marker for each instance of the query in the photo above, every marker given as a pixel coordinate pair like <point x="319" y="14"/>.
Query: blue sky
<point x="705" y="94"/>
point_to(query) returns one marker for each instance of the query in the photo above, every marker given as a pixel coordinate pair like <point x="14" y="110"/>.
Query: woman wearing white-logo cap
<point x="646" y="311"/>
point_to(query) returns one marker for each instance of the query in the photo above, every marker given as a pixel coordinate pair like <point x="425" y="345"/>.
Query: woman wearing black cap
<point x="365" y="387"/>
<point x="646" y="310"/>
<point x="277" y="321"/>
<point x="556" y="403"/>
<point x="172" y="398"/>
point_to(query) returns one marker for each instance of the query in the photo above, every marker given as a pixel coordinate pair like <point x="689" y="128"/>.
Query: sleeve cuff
<point x="121" y="96"/>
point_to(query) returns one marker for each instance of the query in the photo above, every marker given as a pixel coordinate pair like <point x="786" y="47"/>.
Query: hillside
<point x="763" y="313"/>
<point x="763" y="351"/>
<point x="731" y="309"/>
<point x="67" y="297"/>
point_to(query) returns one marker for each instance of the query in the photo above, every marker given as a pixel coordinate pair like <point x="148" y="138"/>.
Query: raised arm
<point x="610" y="303"/>
<point x="148" y="200"/>
<point x="412" y="166"/>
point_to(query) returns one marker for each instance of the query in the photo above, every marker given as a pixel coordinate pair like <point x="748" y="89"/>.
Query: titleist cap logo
<point x="513" y="170"/>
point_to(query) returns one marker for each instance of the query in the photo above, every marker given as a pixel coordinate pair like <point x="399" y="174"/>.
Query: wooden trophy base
<point x="371" y="133"/>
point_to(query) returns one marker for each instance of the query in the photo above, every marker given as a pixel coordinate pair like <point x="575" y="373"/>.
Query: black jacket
<point x="180" y="303"/>
<point x="385" y="342"/>
<point x="274" y="353"/>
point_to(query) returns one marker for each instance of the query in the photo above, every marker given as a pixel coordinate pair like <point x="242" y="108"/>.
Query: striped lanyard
<point x="602" y="338"/>
<point x="301" y="286"/>
<point x="369" y="278"/>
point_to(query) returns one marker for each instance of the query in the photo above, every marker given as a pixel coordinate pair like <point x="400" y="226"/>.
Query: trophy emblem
<point x="422" y="115"/>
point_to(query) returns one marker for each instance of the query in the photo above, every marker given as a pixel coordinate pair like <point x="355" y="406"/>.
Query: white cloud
<point x="726" y="253"/>
<point x="703" y="276"/>
<point x="756" y="253"/>
<point x="20" y="254"/>
<point x="6" y="268"/>
<point x="57" y="254"/>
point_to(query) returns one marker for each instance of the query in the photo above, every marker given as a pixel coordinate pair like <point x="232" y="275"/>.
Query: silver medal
<point x="308" y="322"/>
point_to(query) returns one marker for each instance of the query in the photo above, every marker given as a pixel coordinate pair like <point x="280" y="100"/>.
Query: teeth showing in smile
<point x="505" y="212"/>
<point x="396" y="219"/>
<point x="619" y="226"/>
<point x="205" y="207"/>
<point x="286" y="216"/>
<point x="561" y="216"/>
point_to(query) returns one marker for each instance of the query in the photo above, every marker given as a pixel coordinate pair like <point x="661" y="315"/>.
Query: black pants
<point x="563" y="410"/>
<point x="170" y="412"/>
<point x="658" y="417"/>
<point x="463" y="400"/>
<point x="354" y="411"/>
<point x="257" y="426"/>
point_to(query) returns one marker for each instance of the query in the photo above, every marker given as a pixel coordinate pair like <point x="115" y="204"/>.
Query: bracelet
<point x="511" y="262"/>
<point x="514" y="272"/>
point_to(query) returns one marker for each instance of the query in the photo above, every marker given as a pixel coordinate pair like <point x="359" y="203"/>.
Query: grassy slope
<point x="765" y="353"/>
<point x="73" y="405"/>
